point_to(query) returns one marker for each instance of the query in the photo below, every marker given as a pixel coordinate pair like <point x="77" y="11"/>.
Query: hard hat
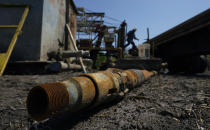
<point x="135" y="28"/>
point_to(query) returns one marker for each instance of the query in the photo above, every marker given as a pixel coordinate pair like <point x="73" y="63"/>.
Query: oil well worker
<point x="130" y="37"/>
<point x="100" y="30"/>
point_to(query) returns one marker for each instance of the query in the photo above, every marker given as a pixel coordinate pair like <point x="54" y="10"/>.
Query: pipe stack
<point x="85" y="91"/>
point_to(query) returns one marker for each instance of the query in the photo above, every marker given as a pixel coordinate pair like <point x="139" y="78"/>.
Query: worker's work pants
<point x="130" y="42"/>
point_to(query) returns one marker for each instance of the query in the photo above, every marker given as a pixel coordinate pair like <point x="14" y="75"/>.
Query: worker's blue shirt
<point x="131" y="35"/>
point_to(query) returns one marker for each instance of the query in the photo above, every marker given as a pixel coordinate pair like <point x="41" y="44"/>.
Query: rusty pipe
<point x="61" y="66"/>
<point x="107" y="87"/>
<point x="85" y="91"/>
<point x="148" y="74"/>
<point x="80" y="53"/>
<point x="45" y="99"/>
<point x="132" y="77"/>
<point x="72" y="94"/>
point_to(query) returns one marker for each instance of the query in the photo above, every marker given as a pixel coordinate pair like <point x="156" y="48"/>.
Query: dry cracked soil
<point x="162" y="102"/>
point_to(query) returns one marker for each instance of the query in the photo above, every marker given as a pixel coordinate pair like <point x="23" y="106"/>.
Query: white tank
<point x="144" y="51"/>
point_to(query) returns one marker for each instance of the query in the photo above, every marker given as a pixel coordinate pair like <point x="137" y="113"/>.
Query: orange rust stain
<point x="147" y="74"/>
<point x="104" y="84"/>
<point x="131" y="78"/>
<point x="88" y="89"/>
<point x="57" y="94"/>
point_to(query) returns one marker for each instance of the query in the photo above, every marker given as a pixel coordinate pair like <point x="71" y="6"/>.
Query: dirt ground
<point x="162" y="102"/>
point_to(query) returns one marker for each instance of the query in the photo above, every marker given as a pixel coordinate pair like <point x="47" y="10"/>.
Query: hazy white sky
<point x="158" y="15"/>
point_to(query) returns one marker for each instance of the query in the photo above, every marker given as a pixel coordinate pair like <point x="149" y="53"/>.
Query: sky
<point x="158" y="15"/>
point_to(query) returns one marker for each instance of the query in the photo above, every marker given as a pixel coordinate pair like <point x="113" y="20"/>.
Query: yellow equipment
<point x="4" y="57"/>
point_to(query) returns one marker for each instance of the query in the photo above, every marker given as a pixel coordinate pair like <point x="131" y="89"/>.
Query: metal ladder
<point x="4" y="57"/>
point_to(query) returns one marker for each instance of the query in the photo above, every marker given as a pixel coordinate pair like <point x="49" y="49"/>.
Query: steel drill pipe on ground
<point x="72" y="94"/>
<point x="107" y="87"/>
<point x="83" y="92"/>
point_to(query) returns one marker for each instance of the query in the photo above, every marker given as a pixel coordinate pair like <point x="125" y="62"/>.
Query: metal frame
<point x="4" y="57"/>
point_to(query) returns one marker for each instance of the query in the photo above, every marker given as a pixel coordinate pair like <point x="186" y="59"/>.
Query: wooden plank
<point x="75" y="47"/>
